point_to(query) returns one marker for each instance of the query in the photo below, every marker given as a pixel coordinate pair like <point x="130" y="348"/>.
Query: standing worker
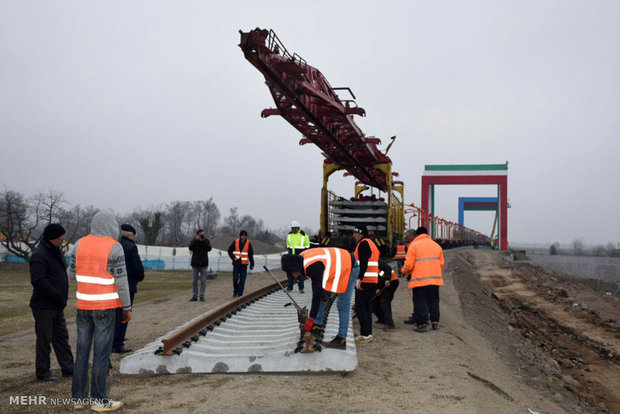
<point x="329" y="269"/>
<point x="296" y="242"/>
<point x="242" y="254"/>
<point x="425" y="264"/>
<point x="48" y="275"/>
<point x="200" y="246"/>
<point x="382" y="302"/>
<point x="401" y="254"/>
<point x="135" y="274"/>
<point x="98" y="263"/>
<point x="367" y="254"/>
<point x="409" y="236"/>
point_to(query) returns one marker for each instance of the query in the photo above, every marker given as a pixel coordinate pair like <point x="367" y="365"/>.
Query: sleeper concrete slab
<point x="259" y="338"/>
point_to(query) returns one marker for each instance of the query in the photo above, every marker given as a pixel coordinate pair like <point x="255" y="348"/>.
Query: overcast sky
<point x="127" y="104"/>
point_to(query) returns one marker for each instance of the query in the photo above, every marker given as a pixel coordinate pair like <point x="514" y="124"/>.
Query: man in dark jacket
<point x="199" y="246"/>
<point x="135" y="274"/>
<point x="48" y="275"/>
<point x="382" y="302"/>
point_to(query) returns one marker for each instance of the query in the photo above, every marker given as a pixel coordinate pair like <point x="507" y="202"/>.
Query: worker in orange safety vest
<point x="367" y="254"/>
<point x="424" y="265"/>
<point x="242" y="255"/>
<point x="329" y="269"/>
<point x="98" y="263"/>
<point x="401" y="254"/>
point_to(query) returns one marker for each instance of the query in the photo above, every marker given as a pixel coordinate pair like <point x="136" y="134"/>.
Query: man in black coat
<point x="48" y="275"/>
<point x="199" y="247"/>
<point x="135" y="274"/>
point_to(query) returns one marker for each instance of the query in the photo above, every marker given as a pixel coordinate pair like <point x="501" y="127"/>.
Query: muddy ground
<point x="511" y="339"/>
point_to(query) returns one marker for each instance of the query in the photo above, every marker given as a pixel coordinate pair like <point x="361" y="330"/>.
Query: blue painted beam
<point x="490" y="203"/>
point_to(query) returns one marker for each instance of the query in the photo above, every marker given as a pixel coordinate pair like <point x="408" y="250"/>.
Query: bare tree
<point x="177" y="226"/>
<point x="553" y="250"/>
<point x="599" y="250"/>
<point x="51" y="203"/>
<point x="21" y="220"/>
<point x="77" y="221"/>
<point x="255" y="227"/>
<point x="231" y="223"/>
<point x="613" y="250"/>
<point x="205" y="215"/>
<point x="578" y="247"/>
<point x="251" y="225"/>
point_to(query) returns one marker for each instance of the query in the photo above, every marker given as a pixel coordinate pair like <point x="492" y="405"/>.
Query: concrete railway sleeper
<point x="259" y="332"/>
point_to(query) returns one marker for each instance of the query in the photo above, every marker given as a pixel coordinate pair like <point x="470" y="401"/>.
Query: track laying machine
<point x="306" y="100"/>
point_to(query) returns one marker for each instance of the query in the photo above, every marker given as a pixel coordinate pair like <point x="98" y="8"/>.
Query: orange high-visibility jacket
<point x="401" y="252"/>
<point x="424" y="262"/>
<point x="242" y="253"/>
<point x="337" y="264"/>
<point x="95" y="285"/>
<point x="372" y="271"/>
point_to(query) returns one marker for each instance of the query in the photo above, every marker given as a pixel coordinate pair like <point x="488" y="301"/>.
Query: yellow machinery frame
<point x="396" y="214"/>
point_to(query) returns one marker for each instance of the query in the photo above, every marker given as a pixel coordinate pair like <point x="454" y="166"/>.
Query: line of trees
<point x="22" y="220"/>
<point x="577" y="249"/>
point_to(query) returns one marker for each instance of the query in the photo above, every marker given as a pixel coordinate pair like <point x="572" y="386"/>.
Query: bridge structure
<point x="467" y="174"/>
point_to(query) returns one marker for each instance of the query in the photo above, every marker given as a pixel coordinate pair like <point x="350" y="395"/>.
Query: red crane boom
<point x="305" y="99"/>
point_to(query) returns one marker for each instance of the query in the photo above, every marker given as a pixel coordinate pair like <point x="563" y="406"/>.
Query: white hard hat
<point x="295" y="223"/>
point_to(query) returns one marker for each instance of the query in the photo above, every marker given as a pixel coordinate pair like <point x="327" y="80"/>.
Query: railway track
<point x="258" y="332"/>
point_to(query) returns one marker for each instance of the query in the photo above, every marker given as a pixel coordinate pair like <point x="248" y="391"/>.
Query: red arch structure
<point x="470" y="174"/>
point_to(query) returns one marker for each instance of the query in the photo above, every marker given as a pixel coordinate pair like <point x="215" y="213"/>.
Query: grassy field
<point x="15" y="292"/>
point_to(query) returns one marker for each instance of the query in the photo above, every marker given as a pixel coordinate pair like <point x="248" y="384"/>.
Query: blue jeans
<point x="93" y="326"/>
<point x="239" y="275"/>
<point x="343" y="304"/>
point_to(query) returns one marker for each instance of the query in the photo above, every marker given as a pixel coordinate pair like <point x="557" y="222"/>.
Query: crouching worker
<point x="382" y="302"/>
<point x="330" y="270"/>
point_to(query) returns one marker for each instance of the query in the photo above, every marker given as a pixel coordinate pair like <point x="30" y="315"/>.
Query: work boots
<point x="337" y="343"/>
<point x="363" y="339"/>
<point x="420" y="328"/>
<point x="109" y="405"/>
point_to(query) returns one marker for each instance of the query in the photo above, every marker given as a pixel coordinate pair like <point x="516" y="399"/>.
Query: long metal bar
<point x="282" y="287"/>
<point x="176" y="340"/>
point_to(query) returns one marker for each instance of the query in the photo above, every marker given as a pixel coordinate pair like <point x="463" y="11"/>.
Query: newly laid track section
<point x="258" y="332"/>
<point x="191" y="332"/>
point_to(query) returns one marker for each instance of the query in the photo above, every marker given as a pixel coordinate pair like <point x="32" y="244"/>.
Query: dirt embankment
<point x="479" y="361"/>
<point x="572" y="326"/>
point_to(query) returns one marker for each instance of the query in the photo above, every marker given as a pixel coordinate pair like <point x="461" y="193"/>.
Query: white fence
<point x="179" y="258"/>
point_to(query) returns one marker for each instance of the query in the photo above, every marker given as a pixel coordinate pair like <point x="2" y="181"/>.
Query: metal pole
<point x="285" y="291"/>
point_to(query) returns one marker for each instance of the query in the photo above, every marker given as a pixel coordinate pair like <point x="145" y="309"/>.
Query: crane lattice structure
<point x="305" y="99"/>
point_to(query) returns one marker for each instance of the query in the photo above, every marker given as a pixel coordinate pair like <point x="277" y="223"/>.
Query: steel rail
<point x="184" y="337"/>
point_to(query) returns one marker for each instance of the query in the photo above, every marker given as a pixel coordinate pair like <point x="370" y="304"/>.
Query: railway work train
<point x="305" y="99"/>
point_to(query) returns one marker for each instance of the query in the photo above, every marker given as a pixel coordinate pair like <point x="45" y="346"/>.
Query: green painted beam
<point x="467" y="167"/>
